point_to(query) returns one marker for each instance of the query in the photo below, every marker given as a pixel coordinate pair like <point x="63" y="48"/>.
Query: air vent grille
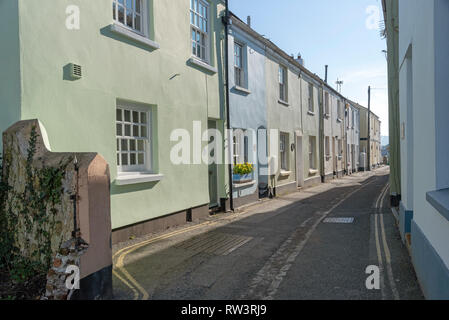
<point x="75" y="71"/>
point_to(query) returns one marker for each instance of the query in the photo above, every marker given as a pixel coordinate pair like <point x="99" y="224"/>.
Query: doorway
<point x="213" y="172"/>
<point x="299" y="162"/>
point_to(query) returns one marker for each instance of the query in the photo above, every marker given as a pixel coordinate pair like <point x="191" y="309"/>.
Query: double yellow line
<point x="123" y="275"/>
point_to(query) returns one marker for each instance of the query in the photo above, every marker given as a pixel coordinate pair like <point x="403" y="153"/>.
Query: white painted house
<point x="424" y="132"/>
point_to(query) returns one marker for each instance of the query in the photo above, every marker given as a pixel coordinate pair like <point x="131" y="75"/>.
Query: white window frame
<point x="144" y="17"/>
<point x="310" y="99"/>
<point x="195" y="16"/>
<point x="146" y="126"/>
<point x="283" y="83"/>
<point x="239" y="71"/>
<point x="284" y="140"/>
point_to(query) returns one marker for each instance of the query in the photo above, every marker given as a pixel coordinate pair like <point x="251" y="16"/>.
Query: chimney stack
<point x="300" y="60"/>
<point x="248" y="21"/>
<point x="325" y="74"/>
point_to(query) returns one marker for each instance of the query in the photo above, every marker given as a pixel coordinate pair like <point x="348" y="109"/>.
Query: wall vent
<point x="75" y="71"/>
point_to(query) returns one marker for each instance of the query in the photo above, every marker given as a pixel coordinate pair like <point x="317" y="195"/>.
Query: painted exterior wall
<point x="328" y="164"/>
<point x="423" y="77"/>
<point x="338" y="134"/>
<point x="310" y="130"/>
<point x="352" y="138"/>
<point x="248" y="108"/>
<point x="285" y="118"/>
<point x="80" y="115"/>
<point x="10" y="88"/>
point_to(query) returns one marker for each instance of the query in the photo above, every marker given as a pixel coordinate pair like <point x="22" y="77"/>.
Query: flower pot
<point x="242" y="178"/>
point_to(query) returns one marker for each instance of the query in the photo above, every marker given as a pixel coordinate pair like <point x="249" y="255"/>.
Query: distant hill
<point x="385" y="140"/>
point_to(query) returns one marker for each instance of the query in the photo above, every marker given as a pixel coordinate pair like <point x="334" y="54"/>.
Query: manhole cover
<point x="338" y="220"/>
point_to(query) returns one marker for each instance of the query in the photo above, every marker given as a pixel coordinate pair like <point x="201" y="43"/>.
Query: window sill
<point x="311" y="113"/>
<point x="203" y="65"/>
<point x="440" y="201"/>
<point x="285" y="173"/>
<point x="285" y="103"/>
<point x="339" y="120"/>
<point x="313" y="172"/>
<point x="241" y="89"/>
<point x="124" y="179"/>
<point x="328" y="158"/>
<point x="118" y="29"/>
<point x="327" y="115"/>
<point x="243" y="185"/>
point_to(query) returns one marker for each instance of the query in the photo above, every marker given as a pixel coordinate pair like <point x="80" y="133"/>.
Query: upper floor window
<point x="326" y="103"/>
<point x="339" y="110"/>
<point x="238" y="65"/>
<point x="311" y="107"/>
<point x="133" y="138"/>
<point x="282" y="83"/>
<point x="199" y="22"/>
<point x="129" y="13"/>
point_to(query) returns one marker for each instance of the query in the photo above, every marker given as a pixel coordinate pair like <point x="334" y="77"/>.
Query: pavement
<point x="279" y="249"/>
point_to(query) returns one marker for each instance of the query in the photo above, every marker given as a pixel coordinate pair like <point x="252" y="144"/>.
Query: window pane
<point x="119" y="130"/>
<point x="113" y="11"/>
<point x="141" y="159"/>
<point x="138" y="6"/>
<point x="118" y="144"/>
<point x="135" y="117"/>
<point x="140" y="145"/>
<point x="138" y="23"/>
<point x="143" y="131"/>
<point x="143" y="117"/>
<point x="133" y="159"/>
<point x="124" y="145"/>
<point x="129" y="18"/>
<point x="127" y="116"/>
<point x="135" y="131"/>
<point x="132" y="145"/>
<point x="127" y="130"/>
<point x="121" y="14"/>
<point x="124" y="159"/>
<point x="119" y="115"/>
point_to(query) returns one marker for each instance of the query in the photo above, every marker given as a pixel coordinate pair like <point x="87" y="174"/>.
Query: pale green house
<point x="118" y="77"/>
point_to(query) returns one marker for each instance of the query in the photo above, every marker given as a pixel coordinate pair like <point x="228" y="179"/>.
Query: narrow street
<point x="278" y="249"/>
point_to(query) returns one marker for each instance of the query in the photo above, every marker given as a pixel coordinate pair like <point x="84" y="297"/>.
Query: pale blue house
<point x="248" y="115"/>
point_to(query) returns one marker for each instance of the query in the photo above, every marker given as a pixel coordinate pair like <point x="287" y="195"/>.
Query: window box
<point x="242" y="178"/>
<point x="313" y="172"/>
<point x="244" y="184"/>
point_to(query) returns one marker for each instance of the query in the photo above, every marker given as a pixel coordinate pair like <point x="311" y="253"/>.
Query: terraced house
<point x="248" y="113"/>
<point x="118" y="77"/>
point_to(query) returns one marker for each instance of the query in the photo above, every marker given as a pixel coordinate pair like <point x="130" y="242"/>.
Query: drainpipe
<point x="228" y="115"/>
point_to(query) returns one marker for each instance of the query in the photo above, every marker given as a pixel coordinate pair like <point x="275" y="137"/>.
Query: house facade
<point x="248" y="112"/>
<point x="131" y="81"/>
<point x="370" y="144"/>
<point x="352" y="138"/>
<point x="422" y="73"/>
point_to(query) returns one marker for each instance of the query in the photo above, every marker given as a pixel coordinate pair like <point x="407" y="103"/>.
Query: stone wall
<point x="48" y="212"/>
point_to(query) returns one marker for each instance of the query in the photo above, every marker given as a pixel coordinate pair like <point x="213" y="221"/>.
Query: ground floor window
<point x="133" y="138"/>
<point x="312" y="151"/>
<point x="241" y="147"/>
<point x="283" y="148"/>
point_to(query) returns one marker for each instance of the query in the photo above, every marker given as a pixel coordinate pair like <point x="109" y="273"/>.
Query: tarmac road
<point x="278" y="249"/>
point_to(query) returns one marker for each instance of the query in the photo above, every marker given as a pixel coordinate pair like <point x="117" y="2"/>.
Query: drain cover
<point x="338" y="220"/>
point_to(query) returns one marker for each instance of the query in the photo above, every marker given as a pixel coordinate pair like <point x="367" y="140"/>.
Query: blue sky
<point x="339" y="33"/>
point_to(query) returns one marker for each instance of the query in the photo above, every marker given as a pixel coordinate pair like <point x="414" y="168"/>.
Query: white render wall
<point x="417" y="34"/>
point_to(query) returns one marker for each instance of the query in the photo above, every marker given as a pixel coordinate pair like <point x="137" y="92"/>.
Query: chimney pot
<point x="248" y="21"/>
